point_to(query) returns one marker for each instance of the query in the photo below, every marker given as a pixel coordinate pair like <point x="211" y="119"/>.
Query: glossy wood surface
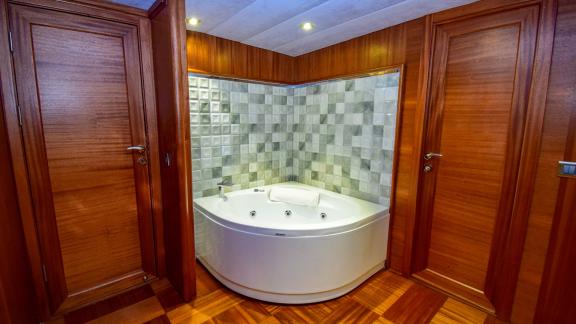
<point x="89" y="192"/>
<point x="15" y="284"/>
<point x="8" y="90"/>
<point x="556" y="297"/>
<point x="480" y="79"/>
<point x="384" y="298"/>
<point x="212" y="55"/>
<point x="557" y="300"/>
<point x="169" y="46"/>
<point x="559" y="105"/>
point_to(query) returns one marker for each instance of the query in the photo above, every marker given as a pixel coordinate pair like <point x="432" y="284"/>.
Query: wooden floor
<point x="384" y="298"/>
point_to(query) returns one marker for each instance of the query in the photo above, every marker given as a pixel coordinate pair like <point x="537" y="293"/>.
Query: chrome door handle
<point x="137" y="148"/>
<point x="431" y="155"/>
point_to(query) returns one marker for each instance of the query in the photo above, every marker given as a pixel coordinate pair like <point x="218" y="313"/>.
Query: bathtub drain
<point x="323" y="215"/>
<point x="288" y="212"/>
<point x="252" y="213"/>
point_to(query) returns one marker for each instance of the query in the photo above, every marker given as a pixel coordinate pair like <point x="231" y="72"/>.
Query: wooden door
<point x="481" y="73"/>
<point x="81" y="101"/>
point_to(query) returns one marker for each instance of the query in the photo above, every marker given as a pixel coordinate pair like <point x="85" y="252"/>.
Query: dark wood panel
<point x="169" y="47"/>
<point x="559" y="105"/>
<point x="212" y="55"/>
<point x="89" y="192"/>
<point x="17" y="300"/>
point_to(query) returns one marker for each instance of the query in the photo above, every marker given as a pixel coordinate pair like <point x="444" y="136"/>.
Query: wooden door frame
<point x="513" y="234"/>
<point x="8" y="88"/>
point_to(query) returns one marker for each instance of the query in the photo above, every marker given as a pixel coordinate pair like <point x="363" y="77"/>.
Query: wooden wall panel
<point x="559" y="105"/>
<point x="17" y="300"/>
<point x="218" y="56"/>
<point x="168" y="43"/>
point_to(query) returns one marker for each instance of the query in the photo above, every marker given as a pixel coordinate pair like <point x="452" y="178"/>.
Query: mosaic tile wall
<point x="336" y="135"/>
<point x="344" y="135"/>
<point x="239" y="132"/>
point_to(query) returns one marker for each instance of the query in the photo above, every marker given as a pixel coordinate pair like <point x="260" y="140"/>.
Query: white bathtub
<point x="301" y="258"/>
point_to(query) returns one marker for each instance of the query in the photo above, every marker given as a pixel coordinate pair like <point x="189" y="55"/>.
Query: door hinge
<point x="19" y="115"/>
<point x="11" y="42"/>
<point x="44" y="273"/>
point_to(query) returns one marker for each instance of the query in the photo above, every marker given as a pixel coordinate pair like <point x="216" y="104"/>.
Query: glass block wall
<point x="239" y="132"/>
<point x="336" y="135"/>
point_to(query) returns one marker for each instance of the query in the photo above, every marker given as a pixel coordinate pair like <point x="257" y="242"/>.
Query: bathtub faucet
<point x="221" y="186"/>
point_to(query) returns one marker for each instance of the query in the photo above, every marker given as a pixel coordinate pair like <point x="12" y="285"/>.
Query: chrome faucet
<point x="221" y="186"/>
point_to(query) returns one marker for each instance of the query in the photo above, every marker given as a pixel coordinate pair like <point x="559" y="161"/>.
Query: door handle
<point x="137" y="148"/>
<point x="431" y="155"/>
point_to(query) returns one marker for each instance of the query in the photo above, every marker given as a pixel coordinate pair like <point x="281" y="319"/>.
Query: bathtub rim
<point x="298" y="230"/>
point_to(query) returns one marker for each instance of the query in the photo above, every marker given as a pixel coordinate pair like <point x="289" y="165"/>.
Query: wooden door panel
<point x="473" y="141"/>
<point x="86" y="136"/>
<point x="480" y="82"/>
<point x="79" y="87"/>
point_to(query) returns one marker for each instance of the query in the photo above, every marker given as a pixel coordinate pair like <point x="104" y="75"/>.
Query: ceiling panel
<point x="275" y="24"/>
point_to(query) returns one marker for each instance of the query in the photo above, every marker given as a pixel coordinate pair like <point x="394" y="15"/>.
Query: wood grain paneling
<point x="217" y="56"/>
<point x="15" y="278"/>
<point x="557" y="300"/>
<point x="82" y="100"/>
<point x="481" y="75"/>
<point x="169" y="45"/>
<point x="510" y="224"/>
<point x="559" y="105"/>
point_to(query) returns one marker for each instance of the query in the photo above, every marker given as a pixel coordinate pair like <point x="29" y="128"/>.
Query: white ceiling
<point x="274" y="24"/>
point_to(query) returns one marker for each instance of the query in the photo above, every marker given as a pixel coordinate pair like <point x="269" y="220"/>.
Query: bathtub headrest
<point x="296" y="196"/>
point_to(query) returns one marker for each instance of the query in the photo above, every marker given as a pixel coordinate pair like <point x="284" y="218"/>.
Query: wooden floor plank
<point x="351" y="312"/>
<point x="204" y="308"/>
<point x="417" y="305"/>
<point x="385" y="298"/>
<point x="247" y="312"/>
<point x="457" y="312"/>
<point x="381" y="291"/>
<point x="109" y="305"/>
<point x="138" y="313"/>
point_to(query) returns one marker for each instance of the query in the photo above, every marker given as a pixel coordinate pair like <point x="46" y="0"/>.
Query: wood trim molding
<point x="417" y="163"/>
<point x="156" y="8"/>
<point x="184" y="163"/>
<point x="507" y="271"/>
<point x="19" y="167"/>
<point x="91" y="8"/>
<point x="151" y="111"/>
<point x="169" y="45"/>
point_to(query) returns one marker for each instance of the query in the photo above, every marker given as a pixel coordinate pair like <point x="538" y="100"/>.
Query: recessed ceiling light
<point x="307" y="26"/>
<point x="193" y="21"/>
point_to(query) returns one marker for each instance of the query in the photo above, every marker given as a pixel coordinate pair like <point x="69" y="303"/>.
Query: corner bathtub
<point x="253" y="247"/>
